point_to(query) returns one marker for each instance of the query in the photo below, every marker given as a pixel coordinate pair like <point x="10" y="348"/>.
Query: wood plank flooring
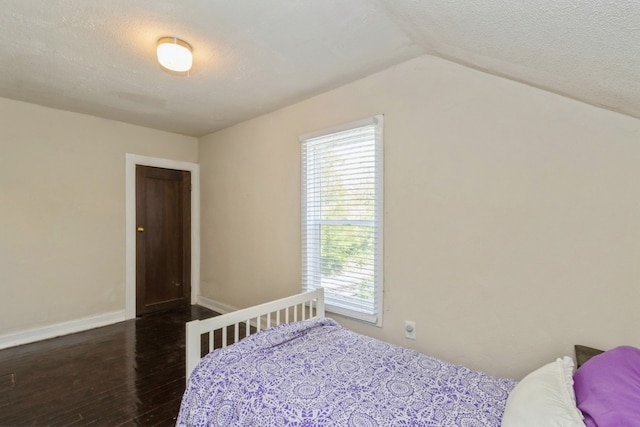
<point x="127" y="374"/>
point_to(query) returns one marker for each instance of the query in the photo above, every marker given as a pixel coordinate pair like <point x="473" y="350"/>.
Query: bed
<point x="285" y="364"/>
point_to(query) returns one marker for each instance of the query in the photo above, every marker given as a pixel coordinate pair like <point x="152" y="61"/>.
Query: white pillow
<point x="568" y="365"/>
<point x="545" y="397"/>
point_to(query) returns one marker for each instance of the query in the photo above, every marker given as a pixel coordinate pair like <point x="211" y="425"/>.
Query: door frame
<point x="131" y="160"/>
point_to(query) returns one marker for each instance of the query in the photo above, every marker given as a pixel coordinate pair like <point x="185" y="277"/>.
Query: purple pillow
<point x="608" y="388"/>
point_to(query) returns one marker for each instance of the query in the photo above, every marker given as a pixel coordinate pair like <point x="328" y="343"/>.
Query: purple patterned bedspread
<point x="316" y="373"/>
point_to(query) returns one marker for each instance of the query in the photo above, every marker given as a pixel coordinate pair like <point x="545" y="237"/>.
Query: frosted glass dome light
<point x="174" y="54"/>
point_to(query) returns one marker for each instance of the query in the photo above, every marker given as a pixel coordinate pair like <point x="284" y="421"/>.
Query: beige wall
<point x="62" y="211"/>
<point x="512" y="220"/>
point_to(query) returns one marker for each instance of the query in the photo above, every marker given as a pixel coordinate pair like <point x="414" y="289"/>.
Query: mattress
<point x="316" y="373"/>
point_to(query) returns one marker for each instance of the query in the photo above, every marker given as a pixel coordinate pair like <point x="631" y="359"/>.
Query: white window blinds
<point x="342" y="218"/>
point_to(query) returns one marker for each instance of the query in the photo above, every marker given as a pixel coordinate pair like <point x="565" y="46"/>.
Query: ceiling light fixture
<point x="174" y="54"/>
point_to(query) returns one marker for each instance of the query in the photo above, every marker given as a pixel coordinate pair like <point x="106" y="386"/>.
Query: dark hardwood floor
<point x="130" y="373"/>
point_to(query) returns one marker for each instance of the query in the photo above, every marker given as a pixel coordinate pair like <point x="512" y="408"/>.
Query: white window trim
<point x="377" y="120"/>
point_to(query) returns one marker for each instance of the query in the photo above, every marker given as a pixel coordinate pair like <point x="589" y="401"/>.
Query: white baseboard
<point x="216" y="306"/>
<point x="59" y="329"/>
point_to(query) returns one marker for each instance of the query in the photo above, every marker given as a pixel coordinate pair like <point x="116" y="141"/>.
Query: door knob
<point x="141" y="229"/>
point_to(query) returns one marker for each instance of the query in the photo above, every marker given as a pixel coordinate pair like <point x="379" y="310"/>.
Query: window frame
<point x="351" y="307"/>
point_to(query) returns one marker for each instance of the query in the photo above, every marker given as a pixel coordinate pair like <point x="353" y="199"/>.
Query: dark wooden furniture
<point x="584" y="353"/>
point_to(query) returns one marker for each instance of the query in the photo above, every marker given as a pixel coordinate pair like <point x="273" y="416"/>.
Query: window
<point x="342" y="218"/>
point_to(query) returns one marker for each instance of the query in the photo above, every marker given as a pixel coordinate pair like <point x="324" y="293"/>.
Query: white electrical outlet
<point x="410" y="329"/>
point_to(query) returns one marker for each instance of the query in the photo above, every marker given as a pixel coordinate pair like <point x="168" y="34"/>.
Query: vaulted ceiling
<point x="255" y="56"/>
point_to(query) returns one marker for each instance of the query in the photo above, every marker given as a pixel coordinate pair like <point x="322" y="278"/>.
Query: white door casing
<point x="131" y="160"/>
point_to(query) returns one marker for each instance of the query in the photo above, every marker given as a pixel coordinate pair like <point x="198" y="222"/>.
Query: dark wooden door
<point x="163" y="243"/>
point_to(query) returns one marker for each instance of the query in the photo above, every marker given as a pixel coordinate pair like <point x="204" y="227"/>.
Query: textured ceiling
<point x="254" y="56"/>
